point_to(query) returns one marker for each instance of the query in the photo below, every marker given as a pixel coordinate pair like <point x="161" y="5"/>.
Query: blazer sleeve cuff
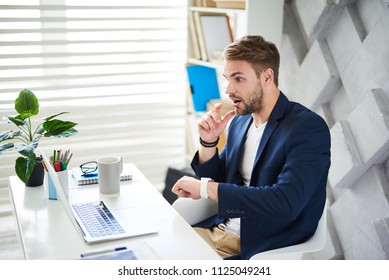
<point x="209" y="169"/>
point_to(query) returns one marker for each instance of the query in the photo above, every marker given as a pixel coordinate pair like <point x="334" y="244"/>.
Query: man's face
<point x="244" y="87"/>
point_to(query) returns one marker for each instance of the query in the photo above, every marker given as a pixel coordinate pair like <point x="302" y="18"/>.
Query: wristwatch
<point x="204" y="187"/>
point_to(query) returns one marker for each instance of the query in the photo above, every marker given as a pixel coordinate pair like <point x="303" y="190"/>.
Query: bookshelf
<point x="259" y="17"/>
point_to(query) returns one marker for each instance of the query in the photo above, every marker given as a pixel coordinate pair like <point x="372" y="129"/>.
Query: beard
<point x="253" y="104"/>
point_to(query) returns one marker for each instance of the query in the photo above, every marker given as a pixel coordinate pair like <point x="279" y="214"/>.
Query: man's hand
<point x="212" y="125"/>
<point x="188" y="187"/>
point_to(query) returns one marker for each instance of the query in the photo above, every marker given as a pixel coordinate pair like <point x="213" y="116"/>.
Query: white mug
<point x="109" y="169"/>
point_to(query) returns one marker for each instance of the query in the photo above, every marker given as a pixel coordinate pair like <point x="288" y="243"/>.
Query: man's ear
<point x="268" y="76"/>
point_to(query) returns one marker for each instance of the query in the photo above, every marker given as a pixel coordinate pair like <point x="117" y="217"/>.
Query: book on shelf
<point x="197" y="3"/>
<point x="203" y="85"/>
<point x="193" y="36"/>
<point x="93" y="178"/>
<point x="230" y="4"/>
<point x="204" y="3"/>
<point x="213" y="33"/>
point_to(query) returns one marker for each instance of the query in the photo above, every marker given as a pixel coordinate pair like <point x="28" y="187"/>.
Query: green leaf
<point x="26" y="104"/>
<point x="67" y="133"/>
<point x="39" y="130"/>
<point x="17" y="120"/>
<point x="57" y="127"/>
<point x="6" y="147"/>
<point x="53" y="116"/>
<point x="9" y="134"/>
<point x="24" y="167"/>
<point x="27" y="150"/>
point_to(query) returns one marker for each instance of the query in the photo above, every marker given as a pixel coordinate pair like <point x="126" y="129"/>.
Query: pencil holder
<point x="63" y="179"/>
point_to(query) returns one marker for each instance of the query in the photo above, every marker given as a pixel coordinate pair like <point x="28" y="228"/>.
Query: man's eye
<point x="238" y="79"/>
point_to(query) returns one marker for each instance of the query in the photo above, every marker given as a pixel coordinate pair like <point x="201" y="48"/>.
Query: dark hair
<point x="254" y="49"/>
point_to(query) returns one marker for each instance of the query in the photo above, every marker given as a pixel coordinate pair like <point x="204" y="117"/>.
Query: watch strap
<point x="204" y="187"/>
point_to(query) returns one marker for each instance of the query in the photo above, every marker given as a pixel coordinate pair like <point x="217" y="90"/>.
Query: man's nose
<point x="230" y="88"/>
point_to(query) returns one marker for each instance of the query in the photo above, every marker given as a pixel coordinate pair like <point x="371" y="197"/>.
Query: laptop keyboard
<point x="97" y="218"/>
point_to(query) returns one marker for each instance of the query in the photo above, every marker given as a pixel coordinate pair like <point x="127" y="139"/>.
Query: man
<point x="270" y="179"/>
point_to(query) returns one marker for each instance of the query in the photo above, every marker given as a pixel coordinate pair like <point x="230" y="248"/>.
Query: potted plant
<point x="27" y="106"/>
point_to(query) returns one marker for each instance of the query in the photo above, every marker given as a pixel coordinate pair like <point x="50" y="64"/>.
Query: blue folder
<point x="203" y="85"/>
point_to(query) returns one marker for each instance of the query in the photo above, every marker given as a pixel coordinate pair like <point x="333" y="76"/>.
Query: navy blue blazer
<point x="287" y="192"/>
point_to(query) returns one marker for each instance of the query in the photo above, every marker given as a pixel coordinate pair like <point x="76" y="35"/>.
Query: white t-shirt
<point x="253" y="138"/>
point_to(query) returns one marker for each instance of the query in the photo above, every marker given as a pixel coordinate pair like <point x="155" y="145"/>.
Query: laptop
<point x="95" y="221"/>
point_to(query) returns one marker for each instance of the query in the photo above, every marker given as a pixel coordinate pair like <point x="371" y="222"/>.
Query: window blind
<point x="116" y="66"/>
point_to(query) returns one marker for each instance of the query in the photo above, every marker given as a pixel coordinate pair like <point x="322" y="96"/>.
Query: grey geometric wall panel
<point x="335" y="60"/>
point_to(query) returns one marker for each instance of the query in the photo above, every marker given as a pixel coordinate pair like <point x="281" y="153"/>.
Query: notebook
<point x="125" y="222"/>
<point x="136" y="251"/>
<point x="93" y="178"/>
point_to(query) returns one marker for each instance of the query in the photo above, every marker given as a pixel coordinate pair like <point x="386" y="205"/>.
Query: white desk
<point x="46" y="231"/>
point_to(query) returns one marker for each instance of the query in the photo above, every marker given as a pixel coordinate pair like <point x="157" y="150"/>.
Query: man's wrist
<point x="204" y="187"/>
<point x="209" y="144"/>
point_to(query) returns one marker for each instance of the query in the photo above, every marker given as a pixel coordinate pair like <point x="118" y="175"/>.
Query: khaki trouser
<point x="225" y="243"/>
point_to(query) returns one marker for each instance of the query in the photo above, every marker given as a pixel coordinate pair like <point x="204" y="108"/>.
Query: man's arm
<point x="210" y="126"/>
<point x="189" y="187"/>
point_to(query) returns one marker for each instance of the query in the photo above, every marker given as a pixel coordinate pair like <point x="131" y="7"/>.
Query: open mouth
<point x="236" y="102"/>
